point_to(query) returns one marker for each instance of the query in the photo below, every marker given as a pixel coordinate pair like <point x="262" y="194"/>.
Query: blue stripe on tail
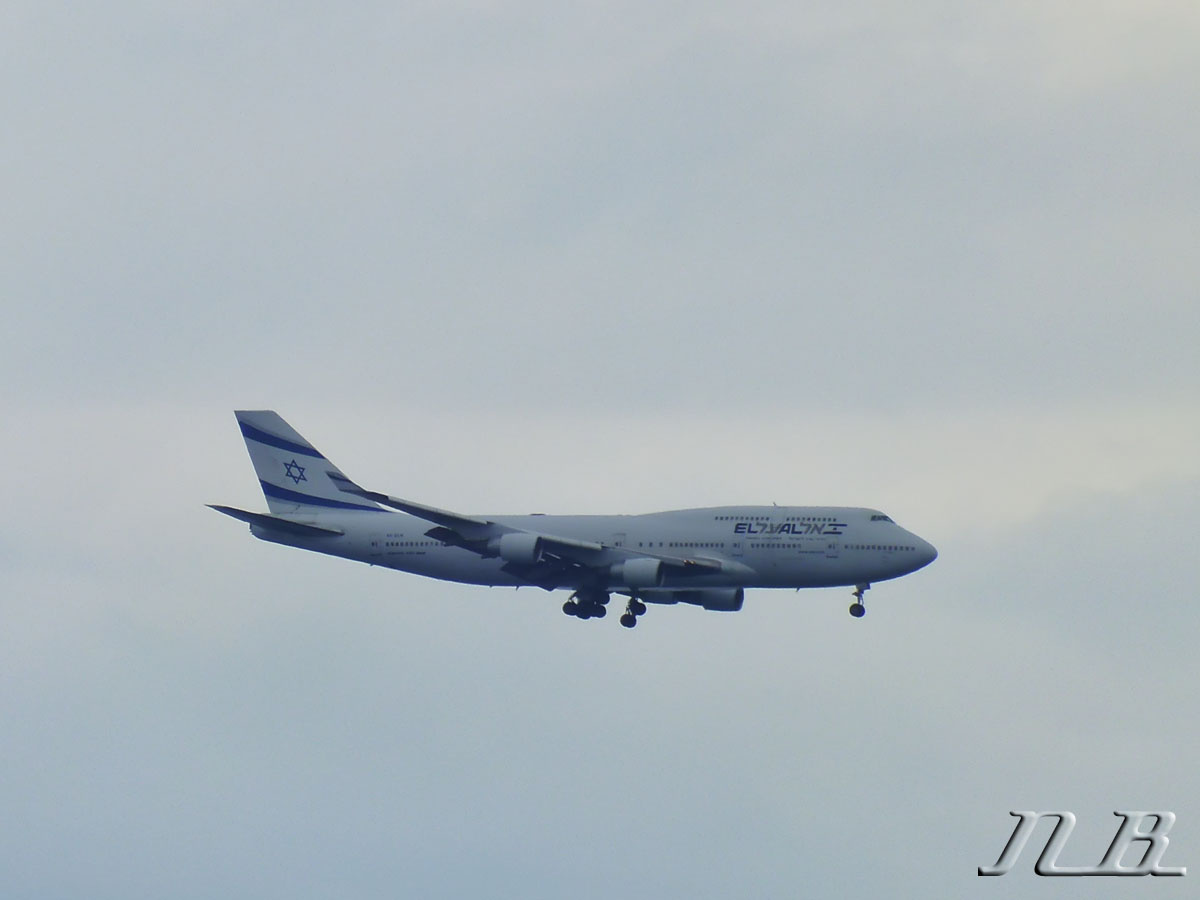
<point x="290" y="496"/>
<point x="271" y="440"/>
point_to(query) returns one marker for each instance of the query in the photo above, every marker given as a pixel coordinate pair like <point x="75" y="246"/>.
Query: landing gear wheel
<point x="633" y="609"/>
<point x="587" y="603"/>
<point x="857" y="609"/>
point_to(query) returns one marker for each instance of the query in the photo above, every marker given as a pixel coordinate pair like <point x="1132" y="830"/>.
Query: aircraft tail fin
<point x="295" y="476"/>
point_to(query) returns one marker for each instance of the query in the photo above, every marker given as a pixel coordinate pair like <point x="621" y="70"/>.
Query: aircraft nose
<point x="928" y="553"/>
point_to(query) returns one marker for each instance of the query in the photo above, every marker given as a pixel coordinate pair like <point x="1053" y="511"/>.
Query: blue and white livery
<point x="705" y="557"/>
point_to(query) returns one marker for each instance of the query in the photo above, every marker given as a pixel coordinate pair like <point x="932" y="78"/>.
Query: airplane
<point x="703" y="557"/>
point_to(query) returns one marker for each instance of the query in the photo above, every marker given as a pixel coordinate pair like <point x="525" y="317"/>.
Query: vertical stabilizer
<point x="295" y="476"/>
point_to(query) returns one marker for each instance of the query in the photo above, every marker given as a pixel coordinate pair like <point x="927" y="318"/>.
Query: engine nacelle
<point x="716" y="599"/>
<point x="517" y="547"/>
<point x="639" y="572"/>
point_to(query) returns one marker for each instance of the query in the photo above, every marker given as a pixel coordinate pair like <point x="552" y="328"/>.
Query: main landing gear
<point x="634" y="609"/>
<point x="592" y="604"/>
<point x="857" y="609"/>
<point x="587" y="605"/>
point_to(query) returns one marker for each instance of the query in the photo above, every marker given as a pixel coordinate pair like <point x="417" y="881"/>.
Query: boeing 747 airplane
<point x="705" y="557"/>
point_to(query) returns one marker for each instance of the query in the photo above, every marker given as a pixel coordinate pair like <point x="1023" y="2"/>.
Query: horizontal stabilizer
<point x="275" y="523"/>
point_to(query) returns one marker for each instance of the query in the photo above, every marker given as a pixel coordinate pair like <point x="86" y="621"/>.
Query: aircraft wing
<point x="442" y="517"/>
<point x="558" y="555"/>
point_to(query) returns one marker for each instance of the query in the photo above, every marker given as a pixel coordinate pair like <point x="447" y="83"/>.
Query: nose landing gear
<point x="858" y="609"/>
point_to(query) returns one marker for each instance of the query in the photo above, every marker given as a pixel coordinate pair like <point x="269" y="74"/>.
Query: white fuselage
<point x="757" y="546"/>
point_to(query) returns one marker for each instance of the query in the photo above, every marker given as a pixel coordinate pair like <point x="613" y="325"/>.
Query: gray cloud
<point x="597" y="259"/>
<point x="225" y="190"/>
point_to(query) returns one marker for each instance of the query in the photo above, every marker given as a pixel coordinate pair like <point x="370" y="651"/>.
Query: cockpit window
<point x="880" y="517"/>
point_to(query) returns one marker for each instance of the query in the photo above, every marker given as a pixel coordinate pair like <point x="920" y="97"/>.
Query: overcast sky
<point x="504" y="257"/>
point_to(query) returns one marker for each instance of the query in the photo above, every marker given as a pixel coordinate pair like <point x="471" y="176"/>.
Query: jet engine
<point x="517" y="547"/>
<point x="717" y="599"/>
<point x="639" y="572"/>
